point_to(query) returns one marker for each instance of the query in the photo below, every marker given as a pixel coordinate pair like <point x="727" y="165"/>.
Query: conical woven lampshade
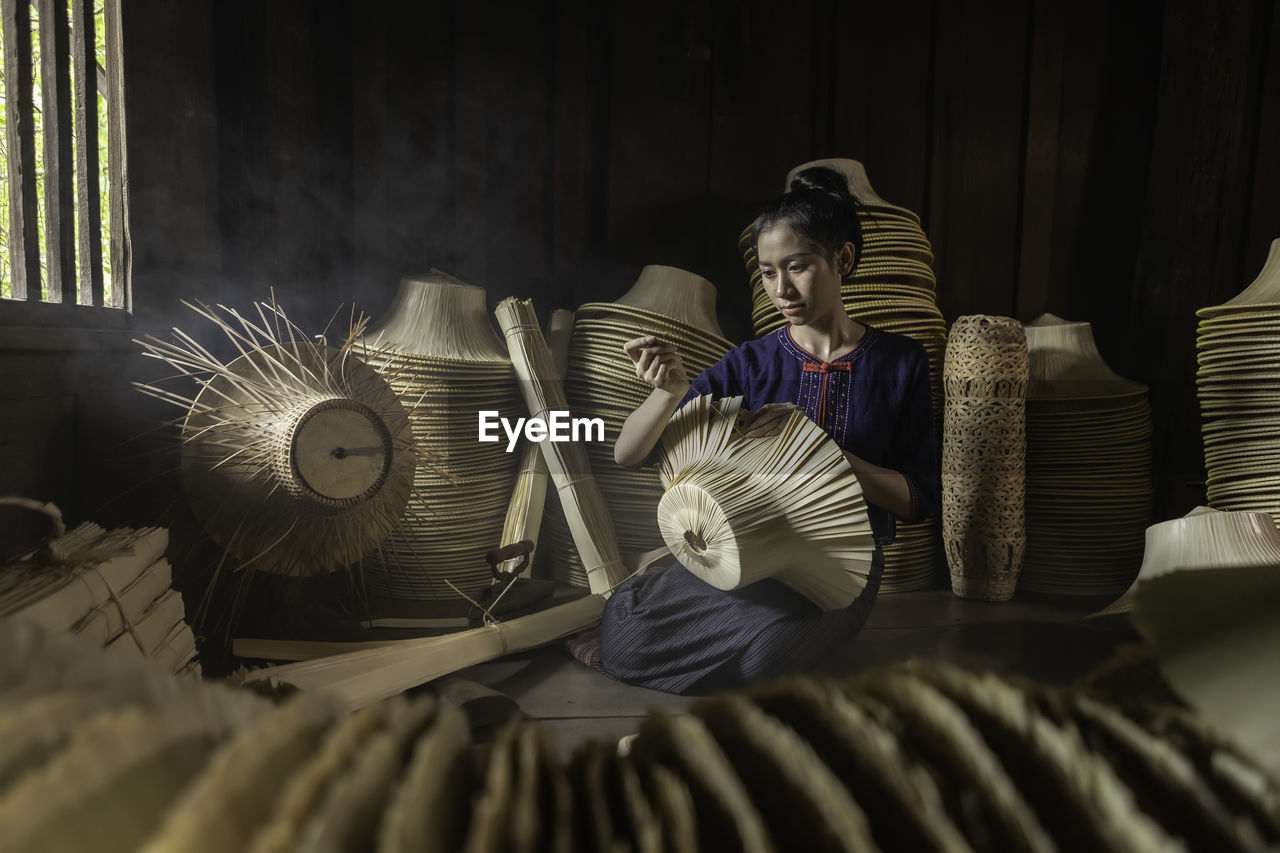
<point x="1065" y="362"/>
<point x="436" y="315"/>
<point x="1264" y="292"/>
<point x="675" y="293"/>
<point x="737" y="510"/>
<point x="855" y="173"/>
<point x="1204" y="539"/>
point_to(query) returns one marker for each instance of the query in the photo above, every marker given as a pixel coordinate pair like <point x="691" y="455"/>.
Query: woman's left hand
<point x="767" y="420"/>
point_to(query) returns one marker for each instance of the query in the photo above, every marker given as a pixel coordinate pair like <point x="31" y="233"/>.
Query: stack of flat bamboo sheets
<point x="112" y="587"/>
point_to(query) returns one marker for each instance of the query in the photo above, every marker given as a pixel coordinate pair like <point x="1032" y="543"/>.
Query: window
<point x="62" y="172"/>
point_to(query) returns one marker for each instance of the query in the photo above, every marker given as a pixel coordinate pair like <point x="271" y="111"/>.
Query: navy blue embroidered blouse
<point x="875" y="401"/>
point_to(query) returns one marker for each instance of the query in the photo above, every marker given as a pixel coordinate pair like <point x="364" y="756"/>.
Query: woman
<point x="868" y="389"/>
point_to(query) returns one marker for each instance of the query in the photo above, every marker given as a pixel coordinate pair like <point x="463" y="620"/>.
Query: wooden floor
<point x="1047" y="641"/>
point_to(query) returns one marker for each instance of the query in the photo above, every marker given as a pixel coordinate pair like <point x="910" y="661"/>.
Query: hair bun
<point x="822" y="178"/>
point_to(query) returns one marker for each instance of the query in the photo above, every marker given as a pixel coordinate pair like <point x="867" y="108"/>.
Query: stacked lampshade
<point x="1238" y="384"/>
<point x="1088" y="466"/>
<point x="440" y="353"/>
<point x="892" y="287"/>
<point x="677" y="307"/>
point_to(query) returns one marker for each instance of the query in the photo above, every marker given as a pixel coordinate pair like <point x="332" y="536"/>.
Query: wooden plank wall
<point x="1106" y="162"/>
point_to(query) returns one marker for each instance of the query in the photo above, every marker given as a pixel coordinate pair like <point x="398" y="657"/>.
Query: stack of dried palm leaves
<point x="678" y="308"/>
<point x="111" y="587"/>
<point x="892" y="287"/>
<point x="916" y="757"/>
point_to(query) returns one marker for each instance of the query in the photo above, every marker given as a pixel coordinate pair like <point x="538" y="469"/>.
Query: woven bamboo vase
<point x="984" y="448"/>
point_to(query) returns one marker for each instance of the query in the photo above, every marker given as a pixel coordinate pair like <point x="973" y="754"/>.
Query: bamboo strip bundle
<point x="110" y="618"/>
<point x="296" y="650"/>
<point x="42" y="663"/>
<point x="737" y="510"/>
<point x="98" y="566"/>
<point x="566" y="461"/>
<point x="150" y="632"/>
<point x="176" y="650"/>
<point x="365" y="676"/>
<point x="524" y="515"/>
<point x="984" y="449"/>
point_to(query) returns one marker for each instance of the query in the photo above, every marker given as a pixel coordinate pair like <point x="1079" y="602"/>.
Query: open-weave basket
<point x="984" y="447"/>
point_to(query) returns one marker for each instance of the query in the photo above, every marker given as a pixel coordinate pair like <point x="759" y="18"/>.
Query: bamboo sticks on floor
<point x="361" y="677"/>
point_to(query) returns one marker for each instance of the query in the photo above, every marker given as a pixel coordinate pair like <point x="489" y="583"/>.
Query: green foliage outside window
<point x="6" y="286"/>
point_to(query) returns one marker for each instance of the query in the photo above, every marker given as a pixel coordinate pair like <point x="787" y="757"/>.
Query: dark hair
<point x="819" y="208"/>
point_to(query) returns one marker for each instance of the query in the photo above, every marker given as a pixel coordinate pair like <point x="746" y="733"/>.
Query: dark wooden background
<point x="1109" y="162"/>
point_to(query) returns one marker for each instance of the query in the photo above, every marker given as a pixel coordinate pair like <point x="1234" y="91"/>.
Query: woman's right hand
<point x="658" y="364"/>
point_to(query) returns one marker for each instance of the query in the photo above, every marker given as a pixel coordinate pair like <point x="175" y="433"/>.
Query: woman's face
<point x="802" y="283"/>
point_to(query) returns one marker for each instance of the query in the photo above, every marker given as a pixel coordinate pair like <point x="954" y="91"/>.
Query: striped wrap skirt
<point x="673" y="632"/>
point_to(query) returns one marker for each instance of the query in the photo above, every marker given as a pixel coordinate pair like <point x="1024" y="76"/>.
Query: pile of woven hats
<point x="678" y="308"/>
<point x="1238" y="385"/>
<point x="437" y="348"/>
<point x="892" y="287"/>
<point x="1088" y="466"/>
